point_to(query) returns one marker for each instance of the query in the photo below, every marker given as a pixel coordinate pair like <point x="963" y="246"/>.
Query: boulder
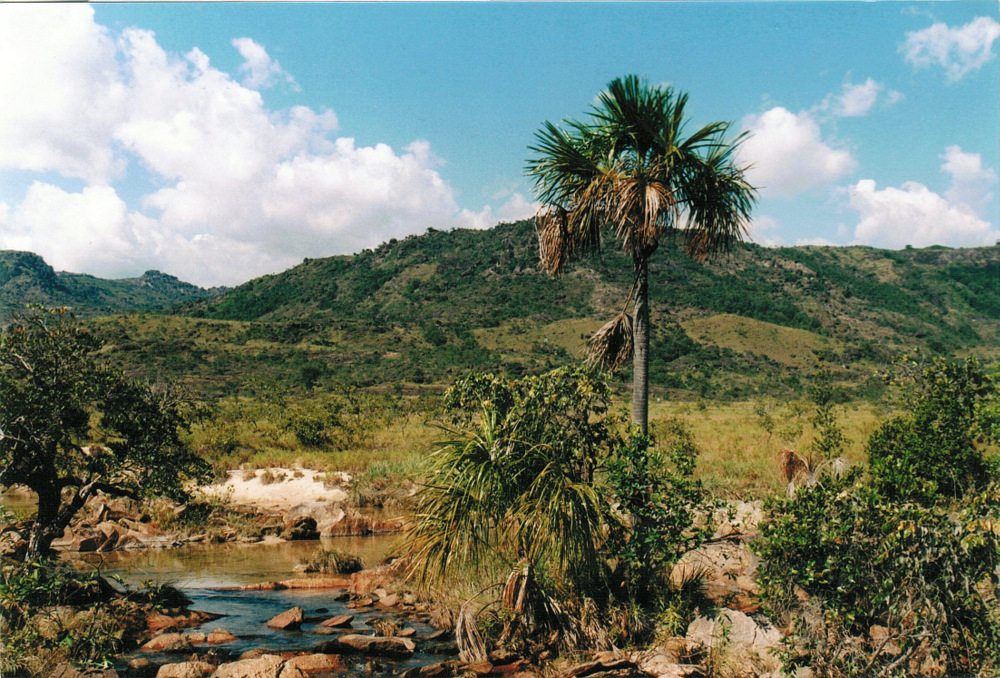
<point x="729" y="572"/>
<point x="288" y="620"/>
<point x="733" y="627"/>
<point x="264" y="666"/>
<point x="185" y="670"/>
<point x="67" y="670"/>
<point x="738" y="640"/>
<point x="168" y="642"/>
<point x="366" y="581"/>
<point x="300" y="529"/>
<point x="371" y="645"/>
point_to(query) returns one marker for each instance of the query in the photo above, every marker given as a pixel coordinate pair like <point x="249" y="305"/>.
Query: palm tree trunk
<point x="640" y="348"/>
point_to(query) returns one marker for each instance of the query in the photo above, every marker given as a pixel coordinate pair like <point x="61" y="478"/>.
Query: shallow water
<point x="220" y="565"/>
<point x="201" y="571"/>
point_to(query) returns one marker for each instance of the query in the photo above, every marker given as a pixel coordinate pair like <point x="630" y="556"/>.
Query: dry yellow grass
<point x="738" y="458"/>
<point x="745" y="335"/>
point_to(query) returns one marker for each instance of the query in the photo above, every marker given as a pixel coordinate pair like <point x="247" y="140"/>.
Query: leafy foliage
<point x="49" y="613"/>
<point x="69" y="422"/>
<point x="889" y="588"/>
<point x="518" y="482"/>
<point x="656" y="491"/>
<point x="936" y="449"/>
<point x="895" y="573"/>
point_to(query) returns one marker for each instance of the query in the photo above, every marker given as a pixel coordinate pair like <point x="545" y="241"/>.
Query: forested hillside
<point x="423" y="310"/>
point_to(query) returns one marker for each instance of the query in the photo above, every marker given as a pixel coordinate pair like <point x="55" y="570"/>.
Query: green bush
<point x="657" y="493"/>
<point x="937" y="449"/>
<point x="333" y="562"/>
<point x="895" y="573"/>
<point x="871" y="586"/>
<point x="49" y="614"/>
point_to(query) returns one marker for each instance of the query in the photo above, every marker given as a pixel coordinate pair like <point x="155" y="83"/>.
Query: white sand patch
<point x="282" y="494"/>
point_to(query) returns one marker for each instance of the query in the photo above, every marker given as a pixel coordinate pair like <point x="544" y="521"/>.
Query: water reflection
<point x="221" y="565"/>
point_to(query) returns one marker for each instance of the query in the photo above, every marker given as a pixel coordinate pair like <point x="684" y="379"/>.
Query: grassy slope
<point x="426" y="309"/>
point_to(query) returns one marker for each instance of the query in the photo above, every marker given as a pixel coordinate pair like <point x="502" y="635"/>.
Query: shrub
<point x="871" y="586"/>
<point x="936" y="450"/>
<point x="49" y="613"/>
<point x="658" y="495"/>
<point x="333" y="562"/>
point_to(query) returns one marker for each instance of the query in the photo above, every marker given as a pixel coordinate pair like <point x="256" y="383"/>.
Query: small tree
<point x="937" y="449"/>
<point x="71" y="427"/>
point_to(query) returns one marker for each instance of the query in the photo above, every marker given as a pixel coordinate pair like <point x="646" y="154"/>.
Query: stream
<point x="202" y="572"/>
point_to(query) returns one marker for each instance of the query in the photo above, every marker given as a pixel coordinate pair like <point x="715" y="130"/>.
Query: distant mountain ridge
<point x="25" y="278"/>
<point x="423" y="310"/>
<point x="427" y="308"/>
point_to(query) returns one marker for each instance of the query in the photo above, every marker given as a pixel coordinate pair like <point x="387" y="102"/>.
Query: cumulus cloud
<point x="788" y="155"/>
<point x="260" y="71"/>
<point x="62" y="92"/>
<point x="240" y="189"/>
<point x="763" y="231"/>
<point x="959" y="51"/>
<point x="915" y="215"/>
<point x="971" y="183"/>
<point x="857" y="100"/>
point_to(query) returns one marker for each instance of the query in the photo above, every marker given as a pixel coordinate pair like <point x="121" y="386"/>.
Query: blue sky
<point x="221" y="141"/>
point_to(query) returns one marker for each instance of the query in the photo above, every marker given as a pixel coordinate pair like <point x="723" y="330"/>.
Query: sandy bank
<point x="290" y="488"/>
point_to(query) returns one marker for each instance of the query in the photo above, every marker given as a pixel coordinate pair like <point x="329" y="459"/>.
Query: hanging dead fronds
<point x="471" y="647"/>
<point x="611" y="346"/>
<point x="515" y="589"/>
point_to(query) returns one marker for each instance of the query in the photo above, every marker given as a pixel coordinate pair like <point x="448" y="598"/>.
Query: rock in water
<point x="288" y="620"/>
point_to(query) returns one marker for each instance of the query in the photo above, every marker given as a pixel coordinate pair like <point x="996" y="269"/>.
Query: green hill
<point x="420" y="311"/>
<point x="25" y="278"/>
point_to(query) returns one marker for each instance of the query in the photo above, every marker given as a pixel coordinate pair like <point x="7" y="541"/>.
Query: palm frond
<point x="719" y="201"/>
<point x="610" y="348"/>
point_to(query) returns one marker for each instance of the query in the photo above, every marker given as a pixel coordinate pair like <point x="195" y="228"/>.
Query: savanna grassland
<point x="443" y="374"/>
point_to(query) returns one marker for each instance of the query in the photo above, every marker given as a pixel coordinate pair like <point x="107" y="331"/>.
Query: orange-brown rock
<point x="287" y="620"/>
<point x="168" y="642"/>
<point x="338" y="622"/>
<point x="185" y="670"/>
<point x="220" y="636"/>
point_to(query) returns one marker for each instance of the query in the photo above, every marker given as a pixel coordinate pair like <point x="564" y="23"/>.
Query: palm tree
<point x="631" y="168"/>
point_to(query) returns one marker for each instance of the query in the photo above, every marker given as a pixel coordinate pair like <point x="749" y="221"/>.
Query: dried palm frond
<point x="515" y="589"/>
<point x="554" y="244"/>
<point x="467" y="637"/>
<point x="611" y="346"/>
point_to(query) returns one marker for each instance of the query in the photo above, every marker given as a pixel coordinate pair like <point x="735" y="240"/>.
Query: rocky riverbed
<point x="371" y="623"/>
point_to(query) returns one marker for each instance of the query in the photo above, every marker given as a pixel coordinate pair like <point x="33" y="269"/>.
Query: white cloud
<point x="788" y="154"/>
<point x="61" y="89"/>
<point x="261" y="72"/>
<point x="857" y="100"/>
<point x="763" y="231"/>
<point x="241" y="189"/>
<point x="959" y="51"/>
<point x="971" y="183"/>
<point x="914" y="215"/>
<point x="854" y="101"/>
<point x="518" y="207"/>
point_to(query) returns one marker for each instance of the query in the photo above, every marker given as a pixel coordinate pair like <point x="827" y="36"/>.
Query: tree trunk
<point x="640" y="349"/>
<point x="46" y="527"/>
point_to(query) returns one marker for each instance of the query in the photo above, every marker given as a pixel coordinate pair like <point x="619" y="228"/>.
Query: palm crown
<point x="632" y="169"/>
